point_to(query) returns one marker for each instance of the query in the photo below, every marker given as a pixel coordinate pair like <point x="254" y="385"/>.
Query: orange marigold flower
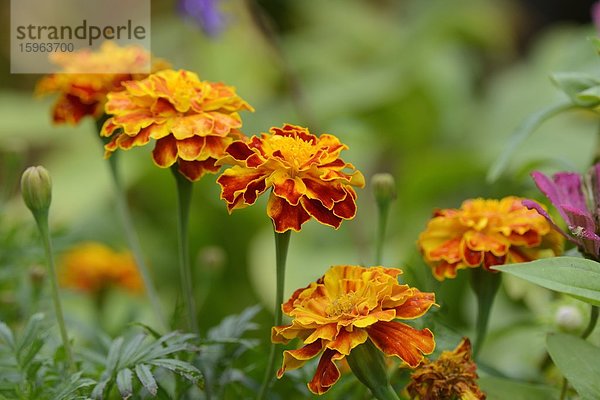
<point x="305" y="171"/>
<point x="82" y="94"/>
<point x="486" y="233"/>
<point x="192" y="121"/>
<point x="92" y="267"/>
<point x="452" y="376"/>
<point x="346" y="307"/>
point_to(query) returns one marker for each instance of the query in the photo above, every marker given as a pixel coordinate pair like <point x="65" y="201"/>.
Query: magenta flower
<point x="577" y="199"/>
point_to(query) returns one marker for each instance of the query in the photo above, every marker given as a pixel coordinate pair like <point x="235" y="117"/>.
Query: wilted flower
<point x="92" y="267"/>
<point x="305" y="172"/>
<point x="578" y="202"/>
<point x="84" y="93"/>
<point x="192" y="121"/>
<point x="452" y="376"/>
<point x="346" y="307"/>
<point x="486" y="233"/>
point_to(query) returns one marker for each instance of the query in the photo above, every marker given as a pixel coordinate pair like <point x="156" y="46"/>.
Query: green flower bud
<point x="384" y="188"/>
<point x="36" y="188"/>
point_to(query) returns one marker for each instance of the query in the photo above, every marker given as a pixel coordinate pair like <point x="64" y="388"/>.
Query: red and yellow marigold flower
<point x="307" y="176"/>
<point x="452" y="376"/>
<point x="346" y="307"/>
<point x="81" y="93"/>
<point x="192" y="121"/>
<point x="486" y="233"/>
<point x="93" y="267"/>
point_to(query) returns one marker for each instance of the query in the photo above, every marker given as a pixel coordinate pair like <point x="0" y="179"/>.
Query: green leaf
<point x="30" y="334"/>
<point x="6" y="336"/>
<point x="522" y="133"/>
<point x="573" y="83"/>
<point x="182" y="368"/>
<point x="505" y="389"/>
<point x="590" y="95"/>
<point x="145" y="376"/>
<point x="124" y="383"/>
<point x="114" y="354"/>
<point x="578" y="361"/>
<point x="131" y="349"/>
<point x="574" y="276"/>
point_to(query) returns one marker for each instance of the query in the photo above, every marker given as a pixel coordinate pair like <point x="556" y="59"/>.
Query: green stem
<point x="584" y="335"/>
<point x="132" y="237"/>
<point x="592" y="324"/>
<point x="41" y="218"/>
<point x="381" y="228"/>
<point x="184" y="197"/>
<point x="282" y="241"/>
<point x="485" y="284"/>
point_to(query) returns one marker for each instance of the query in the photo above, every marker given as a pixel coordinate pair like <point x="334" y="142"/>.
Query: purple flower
<point x="577" y="199"/>
<point x="205" y="13"/>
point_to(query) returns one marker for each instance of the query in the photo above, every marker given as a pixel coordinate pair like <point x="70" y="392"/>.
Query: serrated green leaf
<point x="146" y="378"/>
<point x="573" y="83"/>
<point x="30" y="333"/>
<point x="114" y="353"/>
<point x="26" y="357"/>
<point x="522" y="132"/>
<point x="577" y="277"/>
<point x="182" y="368"/>
<point x="506" y="389"/>
<point x="131" y="349"/>
<point x="578" y="361"/>
<point x="6" y="336"/>
<point x="98" y="391"/>
<point x="67" y="390"/>
<point x="124" y="383"/>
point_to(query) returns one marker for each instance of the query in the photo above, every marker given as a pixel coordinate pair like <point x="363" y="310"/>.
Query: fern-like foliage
<point x="29" y="372"/>
<point x="137" y="359"/>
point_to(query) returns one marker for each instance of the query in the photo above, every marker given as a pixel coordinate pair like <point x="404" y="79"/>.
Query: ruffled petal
<point x="403" y="341"/>
<point x="327" y="373"/>
<point x="294" y="359"/>
<point x="315" y="209"/>
<point x="165" y="152"/>
<point x="284" y="215"/>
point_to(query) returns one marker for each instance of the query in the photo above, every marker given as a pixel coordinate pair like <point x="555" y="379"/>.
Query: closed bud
<point x="569" y="318"/>
<point x="36" y="188"/>
<point x="384" y="188"/>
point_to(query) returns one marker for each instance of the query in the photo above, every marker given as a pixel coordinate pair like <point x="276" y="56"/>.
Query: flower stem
<point x="132" y="237"/>
<point x="383" y="212"/>
<point x="282" y="241"/>
<point x="584" y="335"/>
<point x="368" y="365"/>
<point x="485" y="284"/>
<point x="184" y="197"/>
<point x="41" y="218"/>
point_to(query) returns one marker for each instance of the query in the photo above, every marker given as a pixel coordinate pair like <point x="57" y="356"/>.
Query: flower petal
<point x="294" y="359"/>
<point x="327" y="373"/>
<point x="315" y="209"/>
<point x="284" y="215"/>
<point x="194" y="170"/>
<point x="165" y="152"/>
<point x="416" y="305"/>
<point x="403" y="341"/>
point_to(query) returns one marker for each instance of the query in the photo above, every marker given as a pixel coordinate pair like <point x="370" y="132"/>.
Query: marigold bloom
<point x="346" y="307"/>
<point x="578" y="202"/>
<point x="305" y="172"/>
<point x="486" y="233"/>
<point x="82" y="94"/>
<point x="452" y="376"/>
<point x="93" y="267"/>
<point x="192" y="121"/>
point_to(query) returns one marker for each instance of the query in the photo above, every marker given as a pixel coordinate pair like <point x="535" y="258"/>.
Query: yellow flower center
<point x="295" y="150"/>
<point x="344" y="304"/>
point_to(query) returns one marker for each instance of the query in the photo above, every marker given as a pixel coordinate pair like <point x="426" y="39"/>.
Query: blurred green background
<point x="429" y="91"/>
